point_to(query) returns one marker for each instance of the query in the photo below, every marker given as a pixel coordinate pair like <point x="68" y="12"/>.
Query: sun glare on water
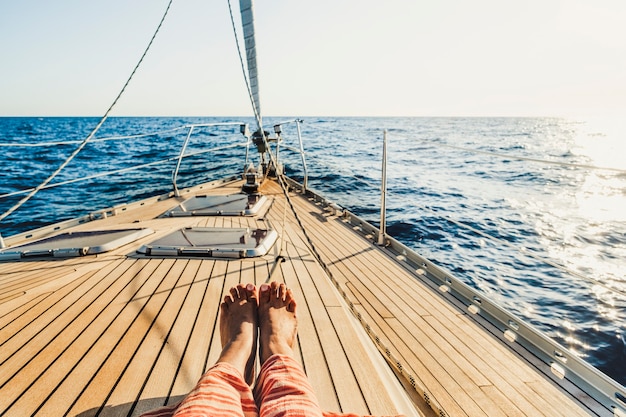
<point x="602" y="196"/>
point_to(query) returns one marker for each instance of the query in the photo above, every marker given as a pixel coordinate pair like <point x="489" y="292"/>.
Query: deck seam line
<point x="389" y="356"/>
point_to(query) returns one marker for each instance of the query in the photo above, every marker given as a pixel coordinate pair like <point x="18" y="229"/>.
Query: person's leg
<point x="282" y="388"/>
<point x="239" y="329"/>
<point x="222" y="390"/>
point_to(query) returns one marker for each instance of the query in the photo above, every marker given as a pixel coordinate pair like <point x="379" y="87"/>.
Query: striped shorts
<point x="282" y="390"/>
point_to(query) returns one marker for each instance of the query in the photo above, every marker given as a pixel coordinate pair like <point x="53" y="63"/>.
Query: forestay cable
<point x="280" y="177"/>
<point x="389" y="356"/>
<point x="92" y="134"/>
<point x="256" y="111"/>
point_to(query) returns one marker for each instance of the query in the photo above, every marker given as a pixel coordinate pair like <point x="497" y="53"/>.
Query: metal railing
<point x="557" y="361"/>
<point x="299" y="150"/>
<point x="186" y="142"/>
<point x="191" y="128"/>
<point x="190" y="131"/>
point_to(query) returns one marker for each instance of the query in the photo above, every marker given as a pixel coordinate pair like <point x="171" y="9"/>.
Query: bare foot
<point x="277" y="321"/>
<point x="238" y="329"/>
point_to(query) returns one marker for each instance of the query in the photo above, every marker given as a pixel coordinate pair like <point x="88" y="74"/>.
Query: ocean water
<point x="530" y="211"/>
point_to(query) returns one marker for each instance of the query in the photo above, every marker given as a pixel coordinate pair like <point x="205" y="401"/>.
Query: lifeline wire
<point x="389" y="356"/>
<point x="91" y="135"/>
<point x="72" y="142"/>
<point x="488" y="236"/>
<point x="123" y="170"/>
<point x="541" y="161"/>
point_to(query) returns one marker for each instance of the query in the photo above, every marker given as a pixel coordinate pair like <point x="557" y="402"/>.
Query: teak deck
<point x="118" y="333"/>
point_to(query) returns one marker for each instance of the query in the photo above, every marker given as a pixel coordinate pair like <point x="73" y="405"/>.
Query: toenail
<point x="250" y="287"/>
<point x="265" y="287"/>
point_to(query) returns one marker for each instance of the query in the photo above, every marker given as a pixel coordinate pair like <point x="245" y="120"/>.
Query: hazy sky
<point x="321" y="57"/>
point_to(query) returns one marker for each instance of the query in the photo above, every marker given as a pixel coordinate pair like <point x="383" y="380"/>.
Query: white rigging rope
<point x="92" y="134"/>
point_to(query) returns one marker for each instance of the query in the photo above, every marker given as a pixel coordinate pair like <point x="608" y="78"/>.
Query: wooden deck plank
<point x="99" y="349"/>
<point x="346" y="387"/>
<point x="381" y="293"/>
<point x="310" y="349"/>
<point x="25" y="276"/>
<point x="44" y="336"/>
<point x="484" y="339"/>
<point x="22" y="284"/>
<point x="417" y="362"/>
<point x="436" y="378"/>
<point x="20" y="309"/>
<point x="147" y="329"/>
<point x="276" y="217"/>
<point x="504" y="402"/>
<point x="316" y="289"/>
<point x="378" y="401"/>
<point x="63" y="352"/>
<point x="210" y="280"/>
<point x="509" y="384"/>
<point x="58" y="298"/>
<point x="331" y="300"/>
<point x="474" y="362"/>
<point x="60" y="271"/>
<point x="125" y="335"/>
<point x="500" y="379"/>
<point x="441" y="369"/>
<point x="338" y="252"/>
<point x="555" y="407"/>
<point x="502" y="360"/>
<point x="253" y="271"/>
<point x="136" y="376"/>
<point x="8" y="268"/>
<point x="155" y="393"/>
<point x="17" y="320"/>
<point x="401" y="310"/>
<point x="362" y="260"/>
<point x="464" y="326"/>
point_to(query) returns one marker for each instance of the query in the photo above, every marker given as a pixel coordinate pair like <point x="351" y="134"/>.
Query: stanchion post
<point x="383" y="192"/>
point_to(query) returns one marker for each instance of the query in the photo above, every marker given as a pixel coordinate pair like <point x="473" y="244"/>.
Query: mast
<point x="247" y="21"/>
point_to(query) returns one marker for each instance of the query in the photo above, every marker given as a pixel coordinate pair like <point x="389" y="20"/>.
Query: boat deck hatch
<point x="75" y="244"/>
<point x="219" y="205"/>
<point x="218" y="242"/>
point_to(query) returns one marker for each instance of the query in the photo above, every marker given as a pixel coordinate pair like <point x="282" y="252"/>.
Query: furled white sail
<point x="247" y="21"/>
